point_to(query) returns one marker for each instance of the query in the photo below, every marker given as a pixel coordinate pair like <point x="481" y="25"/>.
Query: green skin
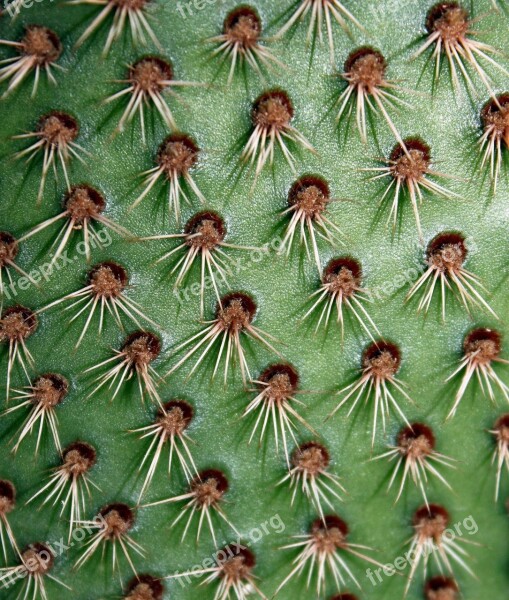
<point x="218" y="116"/>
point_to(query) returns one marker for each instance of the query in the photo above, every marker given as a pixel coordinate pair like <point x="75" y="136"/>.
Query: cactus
<point x="253" y="272"/>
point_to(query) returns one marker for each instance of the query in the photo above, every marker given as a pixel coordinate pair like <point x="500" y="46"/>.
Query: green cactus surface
<point x="425" y="349"/>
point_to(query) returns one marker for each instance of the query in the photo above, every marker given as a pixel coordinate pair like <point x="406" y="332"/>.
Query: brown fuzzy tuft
<point x="243" y="26"/>
<point x="431" y="522"/>
<point x="149" y="74"/>
<point x="236" y="312"/>
<point x="441" y="588"/>
<point x="412" y="165"/>
<point x="483" y="345"/>
<point x="311" y="458"/>
<point x="343" y="276"/>
<point x="49" y="390"/>
<point x="38" y="559"/>
<point x="502" y="430"/>
<point x="108" y="280"/>
<point x="495" y="116"/>
<point x="79" y="458"/>
<point x="8" y="248"/>
<point x="210" y="227"/>
<point x="365" y="67"/>
<point x="450" y="20"/>
<point x="238" y="567"/>
<point x="281" y="382"/>
<point x="17" y="323"/>
<point x="142" y="347"/>
<point x="416" y="441"/>
<point x="41" y="44"/>
<point x="272" y="110"/>
<point x="177" y="155"/>
<point x="310" y="194"/>
<point x="383" y="359"/>
<point x="209" y="487"/>
<point x="144" y="587"/>
<point x="176" y="417"/>
<point x="58" y="128"/>
<point x="329" y="534"/>
<point x="7" y="497"/>
<point x="447" y="252"/>
<point x="84" y="203"/>
<point x="118" y="519"/>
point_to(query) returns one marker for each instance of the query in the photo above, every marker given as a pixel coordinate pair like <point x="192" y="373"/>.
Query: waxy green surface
<point x="217" y="115"/>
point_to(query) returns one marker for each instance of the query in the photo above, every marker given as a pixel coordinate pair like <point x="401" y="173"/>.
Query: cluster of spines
<point x="272" y="113"/>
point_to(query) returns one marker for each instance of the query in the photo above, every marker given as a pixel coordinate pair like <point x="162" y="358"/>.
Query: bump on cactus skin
<point x="216" y="117"/>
